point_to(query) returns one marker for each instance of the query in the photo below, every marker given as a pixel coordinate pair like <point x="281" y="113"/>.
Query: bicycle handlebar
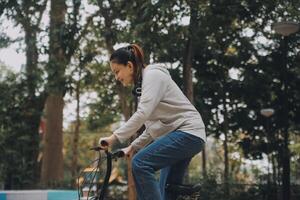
<point x="117" y="154"/>
<point x="96" y="148"/>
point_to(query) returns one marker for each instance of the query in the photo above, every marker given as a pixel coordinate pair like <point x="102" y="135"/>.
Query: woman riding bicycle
<point x="174" y="130"/>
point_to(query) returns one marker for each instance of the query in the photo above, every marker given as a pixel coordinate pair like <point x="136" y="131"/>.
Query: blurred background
<point x="236" y="60"/>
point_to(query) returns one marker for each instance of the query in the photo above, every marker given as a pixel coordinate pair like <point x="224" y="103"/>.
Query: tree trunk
<point x="204" y="171"/>
<point x="286" y="168"/>
<point x="123" y="100"/>
<point x="31" y="61"/>
<point x="35" y="104"/>
<point x="189" y="52"/>
<point x="131" y="185"/>
<point x="74" y="162"/>
<point x="274" y="176"/>
<point x="188" y="64"/>
<point x="226" y="163"/>
<point x="187" y="71"/>
<point x="225" y="129"/>
<point x="52" y="166"/>
<point x="286" y="190"/>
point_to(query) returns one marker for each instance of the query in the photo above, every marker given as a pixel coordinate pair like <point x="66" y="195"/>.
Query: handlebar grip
<point x="104" y="143"/>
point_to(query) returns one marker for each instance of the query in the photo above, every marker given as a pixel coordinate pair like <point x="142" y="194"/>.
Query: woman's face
<point x="123" y="73"/>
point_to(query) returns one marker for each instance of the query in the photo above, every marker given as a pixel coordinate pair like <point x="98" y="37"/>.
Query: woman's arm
<point x="154" y="87"/>
<point x="141" y="141"/>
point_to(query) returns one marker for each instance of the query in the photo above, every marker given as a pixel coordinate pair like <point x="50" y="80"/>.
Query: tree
<point x="64" y="39"/>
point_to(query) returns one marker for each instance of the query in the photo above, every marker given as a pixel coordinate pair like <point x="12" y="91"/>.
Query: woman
<point x="174" y="130"/>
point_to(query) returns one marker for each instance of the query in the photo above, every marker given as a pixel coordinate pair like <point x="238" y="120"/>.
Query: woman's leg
<point x="165" y="151"/>
<point x="172" y="175"/>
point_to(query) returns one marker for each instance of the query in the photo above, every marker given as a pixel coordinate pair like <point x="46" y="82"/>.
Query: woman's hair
<point x="132" y="53"/>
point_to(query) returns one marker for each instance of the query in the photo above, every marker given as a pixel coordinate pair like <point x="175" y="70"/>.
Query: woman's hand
<point x="128" y="151"/>
<point x="106" y="142"/>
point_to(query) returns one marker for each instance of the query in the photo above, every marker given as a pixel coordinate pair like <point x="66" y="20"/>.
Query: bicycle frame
<point x="107" y="176"/>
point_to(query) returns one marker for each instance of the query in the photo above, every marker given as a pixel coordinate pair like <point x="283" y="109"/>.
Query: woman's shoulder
<point x="156" y="68"/>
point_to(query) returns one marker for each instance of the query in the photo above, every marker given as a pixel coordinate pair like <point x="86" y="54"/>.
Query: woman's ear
<point x="130" y="65"/>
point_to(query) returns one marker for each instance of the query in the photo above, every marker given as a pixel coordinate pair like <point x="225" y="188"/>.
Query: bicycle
<point x="190" y="192"/>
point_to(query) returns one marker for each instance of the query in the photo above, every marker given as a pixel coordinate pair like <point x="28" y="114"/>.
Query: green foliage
<point x="86" y="141"/>
<point x="106" y="110"/>
<point x="295" y="152"/>
<point x="157" y="27"/>
<point x="260" y="68"/>
<point x="19" y="143"/>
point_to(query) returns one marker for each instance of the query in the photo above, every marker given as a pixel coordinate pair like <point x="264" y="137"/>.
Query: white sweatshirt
<point x="163" y="108"/>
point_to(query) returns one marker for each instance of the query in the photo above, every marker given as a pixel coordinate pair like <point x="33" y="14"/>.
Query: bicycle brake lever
<point x="118" y="154"/>
<point x="96" y="148"/>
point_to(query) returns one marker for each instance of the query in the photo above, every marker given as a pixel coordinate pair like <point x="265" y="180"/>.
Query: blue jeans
<point x="171" y="154"/>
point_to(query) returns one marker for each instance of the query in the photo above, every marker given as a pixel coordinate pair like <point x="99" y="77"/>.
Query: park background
<point x="239" y="71"/>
